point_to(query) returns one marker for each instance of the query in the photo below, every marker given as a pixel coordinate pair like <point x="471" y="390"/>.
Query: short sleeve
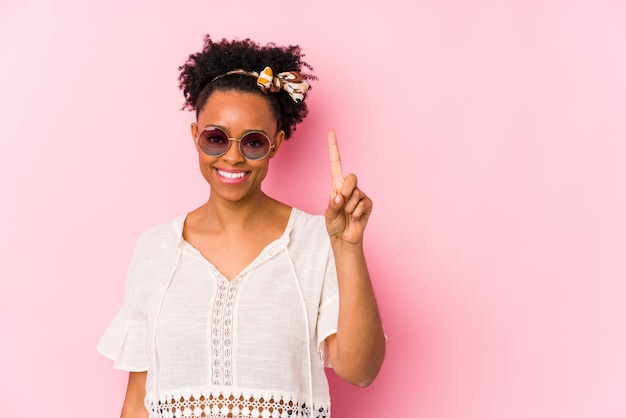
<point x="126" y="343"/>
<point x="328" y="314"/>
<point x="126" y="339"/>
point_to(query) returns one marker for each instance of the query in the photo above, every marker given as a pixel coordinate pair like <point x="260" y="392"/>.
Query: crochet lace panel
<point x="234" y="406"/>
<point x="222" y="331"/>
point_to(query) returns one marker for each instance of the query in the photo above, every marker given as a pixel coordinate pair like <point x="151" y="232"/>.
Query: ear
<point x="278" y="140"/>
<point x="194" y="134"/>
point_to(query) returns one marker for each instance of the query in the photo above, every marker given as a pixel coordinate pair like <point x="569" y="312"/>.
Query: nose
<point x="233" y="155"/>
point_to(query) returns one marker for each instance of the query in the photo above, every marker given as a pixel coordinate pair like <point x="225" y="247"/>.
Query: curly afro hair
<point x="197" y="76"/>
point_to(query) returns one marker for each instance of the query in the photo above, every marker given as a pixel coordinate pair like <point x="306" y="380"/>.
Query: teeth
<point x="230" y="175"/>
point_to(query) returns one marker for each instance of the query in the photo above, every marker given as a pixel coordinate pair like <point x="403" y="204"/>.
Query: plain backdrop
<point x="491" y="136"/>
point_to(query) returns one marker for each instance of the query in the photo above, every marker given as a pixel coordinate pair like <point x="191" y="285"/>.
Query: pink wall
<point x="490" y="134"/>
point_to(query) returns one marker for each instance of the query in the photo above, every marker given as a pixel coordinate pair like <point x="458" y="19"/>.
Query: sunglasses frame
<point x="238" y="140"/>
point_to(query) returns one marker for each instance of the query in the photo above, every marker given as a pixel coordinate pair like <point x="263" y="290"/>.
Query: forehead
<point x="237" y="111"/>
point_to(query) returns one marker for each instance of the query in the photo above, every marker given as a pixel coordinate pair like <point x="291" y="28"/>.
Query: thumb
<point x="334" y="206"/>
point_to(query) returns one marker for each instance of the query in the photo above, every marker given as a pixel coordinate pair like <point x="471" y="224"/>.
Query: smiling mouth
<point x="231" y="175"/>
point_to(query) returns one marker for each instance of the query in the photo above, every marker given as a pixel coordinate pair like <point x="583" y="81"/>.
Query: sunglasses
<point x="215" y="142"/>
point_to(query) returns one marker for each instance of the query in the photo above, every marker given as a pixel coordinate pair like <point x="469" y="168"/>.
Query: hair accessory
<point x="290" y="81"/>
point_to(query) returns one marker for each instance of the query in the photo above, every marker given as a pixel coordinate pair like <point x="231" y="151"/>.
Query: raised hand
<point x="348" y="208"/>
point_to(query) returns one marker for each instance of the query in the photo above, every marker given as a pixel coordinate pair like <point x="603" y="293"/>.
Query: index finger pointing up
<point x="335" y="162"/>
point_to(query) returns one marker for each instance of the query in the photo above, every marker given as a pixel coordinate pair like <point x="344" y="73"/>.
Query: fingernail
<point x="338" y="199"/>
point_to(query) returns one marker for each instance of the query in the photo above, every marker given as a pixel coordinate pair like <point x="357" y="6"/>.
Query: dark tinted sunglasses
<point x="215" y="142"/>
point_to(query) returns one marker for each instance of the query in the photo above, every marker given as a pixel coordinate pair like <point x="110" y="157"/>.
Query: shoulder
<point x="307" y="220"/>
<point x="160" y="240"/>
<point x="166" y="232"/>
<point x="310" y="227"/>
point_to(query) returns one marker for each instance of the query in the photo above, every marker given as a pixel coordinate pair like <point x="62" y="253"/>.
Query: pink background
<point x="490" y="134"/>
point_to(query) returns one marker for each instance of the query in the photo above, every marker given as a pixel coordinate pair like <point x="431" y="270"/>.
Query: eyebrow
<point x="247" y="131"/>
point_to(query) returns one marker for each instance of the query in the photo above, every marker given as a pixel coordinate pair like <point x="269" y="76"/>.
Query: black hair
<point x="198" y="75"/>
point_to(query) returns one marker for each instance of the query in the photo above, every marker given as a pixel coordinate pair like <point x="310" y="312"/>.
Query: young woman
<point x="234" y="309"/>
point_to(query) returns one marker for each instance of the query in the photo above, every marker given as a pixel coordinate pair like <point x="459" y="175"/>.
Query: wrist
<point x="341" y="245"/>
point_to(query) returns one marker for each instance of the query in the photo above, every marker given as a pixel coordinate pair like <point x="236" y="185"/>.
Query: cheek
<point x="260" y="170"/>
<point x="204" y="162"/>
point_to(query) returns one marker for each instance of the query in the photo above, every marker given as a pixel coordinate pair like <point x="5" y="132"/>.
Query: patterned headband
<point x="291" y="81"/>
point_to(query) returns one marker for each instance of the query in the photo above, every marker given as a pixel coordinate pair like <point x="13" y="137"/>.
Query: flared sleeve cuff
<point x="327" y="326"/>
<point x="126" y="343"/>
<point x="322" y="350"/>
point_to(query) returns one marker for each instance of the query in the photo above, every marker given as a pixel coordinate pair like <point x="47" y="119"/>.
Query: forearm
<point x="135" y="393"/>
<point x="359" y="346"/>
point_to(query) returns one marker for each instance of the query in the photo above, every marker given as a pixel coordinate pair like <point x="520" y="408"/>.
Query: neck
<point x="240" y="214"/>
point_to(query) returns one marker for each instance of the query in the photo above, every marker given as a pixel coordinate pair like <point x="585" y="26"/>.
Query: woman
<point x="234" y="309"/>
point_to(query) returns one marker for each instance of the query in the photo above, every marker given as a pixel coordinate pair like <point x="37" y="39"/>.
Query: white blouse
<point x="249" y="347"/>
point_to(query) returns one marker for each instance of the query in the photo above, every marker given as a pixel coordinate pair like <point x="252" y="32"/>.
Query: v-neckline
<point x="271" y="249"/>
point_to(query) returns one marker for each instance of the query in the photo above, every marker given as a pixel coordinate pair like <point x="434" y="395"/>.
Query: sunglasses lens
<point x="213" y="142"/>
<point x="255" y="145"/>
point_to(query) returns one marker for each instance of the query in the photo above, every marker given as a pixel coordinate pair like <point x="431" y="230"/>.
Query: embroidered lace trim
<point x="222" y="331"/>
<point x="234" y="406"/>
